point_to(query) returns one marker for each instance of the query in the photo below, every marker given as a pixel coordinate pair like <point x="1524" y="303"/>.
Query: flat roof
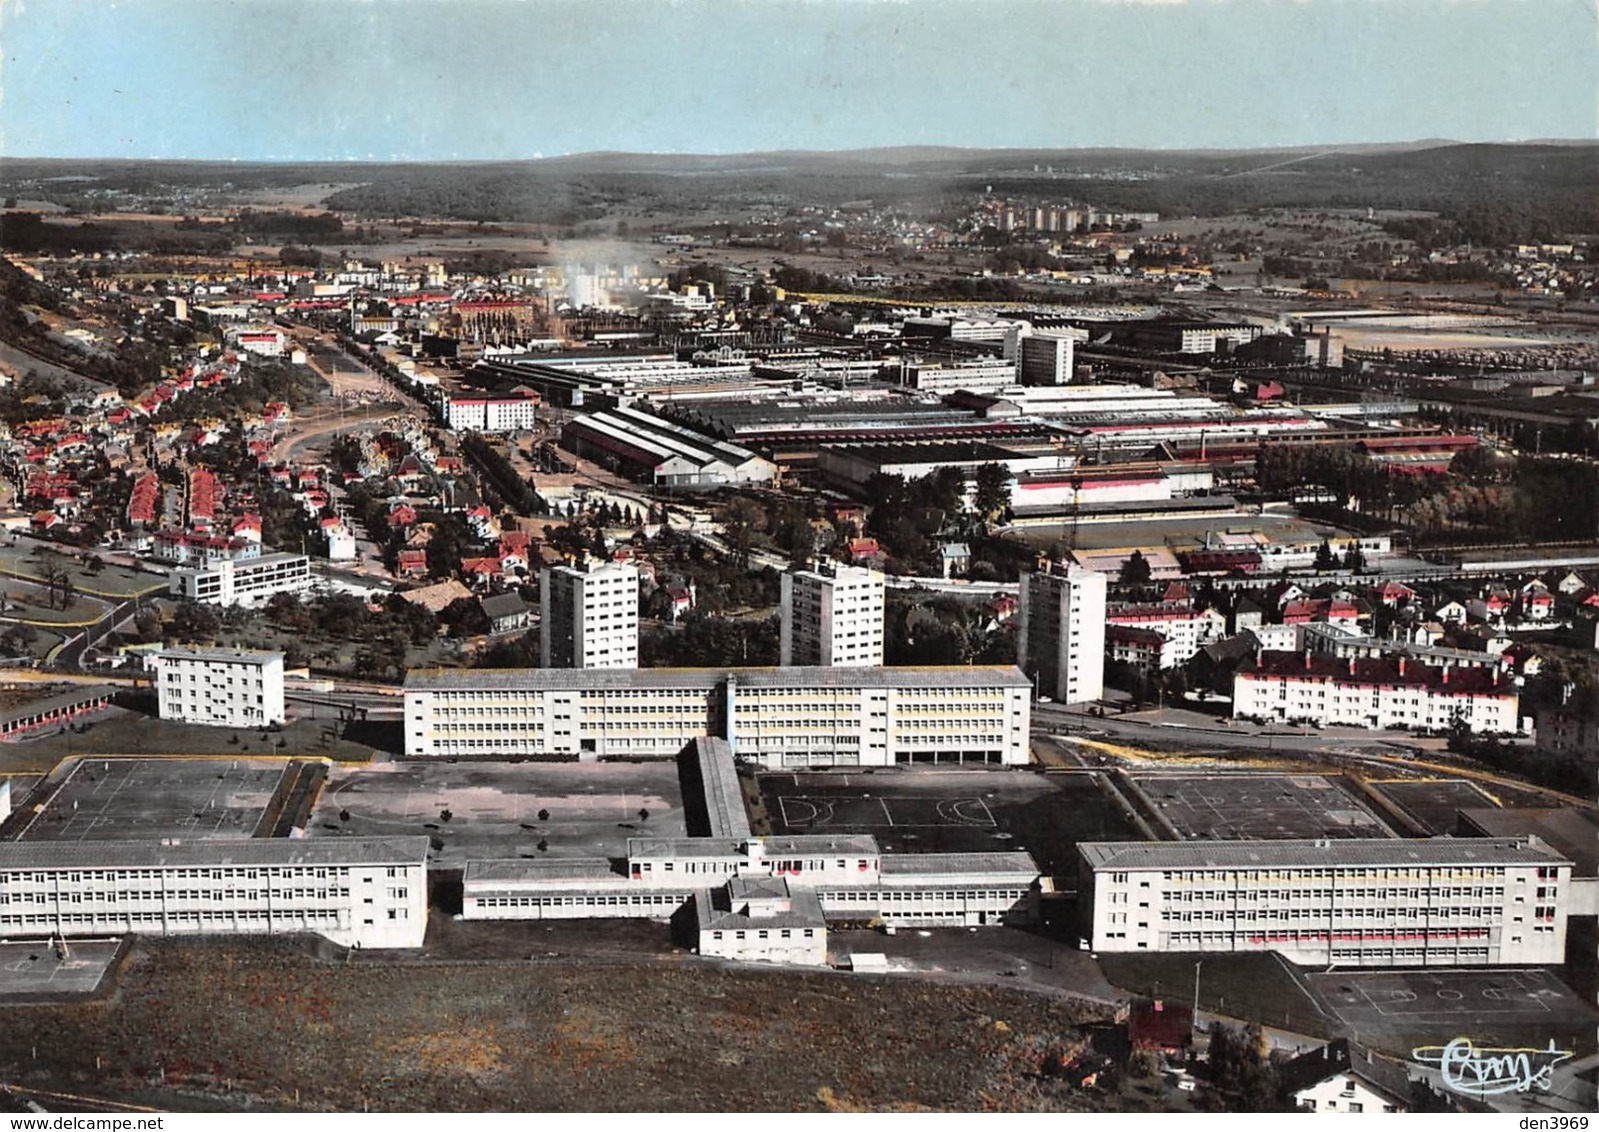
<point x="1439" y="851"/>
<point x="71" y="697"/>
<point x="801" y="845"/>
<point x="521" y="870"/>
<point x="622" y="679"/>
<point x="58" y="855"/>
<point x="912" y="866"/>
<point x="226" y="656"/>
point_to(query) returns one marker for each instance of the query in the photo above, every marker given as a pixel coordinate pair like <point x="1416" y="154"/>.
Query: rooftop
<point x="219" y="656"/>
<point x="57" y="855"/>
<point x="608" y="679"/>
<point x="1437" y="851"/>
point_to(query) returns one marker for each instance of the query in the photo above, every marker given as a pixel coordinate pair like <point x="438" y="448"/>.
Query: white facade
<point x="244" y="582"/>
<point x="972" y="376"/>
<point x="1360" y="903"/>
<point x="1344" y="1093"/>
<point x="358" y="892"/>
<point x="782" y="717"/>
<point x="756" y="920"/>
<point x="220" y="687"/>
<point x="513" y="413"/>
<point x="1186" y="630"/>
<point x="341" y="543"/>
<point x="1060" y="638"/>
<point x="851" y="879"/>
<point x="1044" y="359"/>
<point x="588" y="618"/>
<point x="1376" y="693"/>
<point x="832" y="617"/>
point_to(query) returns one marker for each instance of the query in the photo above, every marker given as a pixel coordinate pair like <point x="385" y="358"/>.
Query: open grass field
<point x="269" y="1026"/>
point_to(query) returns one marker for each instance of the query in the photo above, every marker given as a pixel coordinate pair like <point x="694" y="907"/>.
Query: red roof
<point x="1378" y="672"/>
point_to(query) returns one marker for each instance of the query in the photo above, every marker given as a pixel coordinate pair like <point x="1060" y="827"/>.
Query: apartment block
<point x="1060" y="637"/>
<point x="220" y="687"/>
<point x="250" y="582"/>
<point x="588" y="616"/>
<point x="832" y="617"/>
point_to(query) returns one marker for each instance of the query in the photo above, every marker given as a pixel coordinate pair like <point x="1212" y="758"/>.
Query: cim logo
<point x="1482" y="1071"/>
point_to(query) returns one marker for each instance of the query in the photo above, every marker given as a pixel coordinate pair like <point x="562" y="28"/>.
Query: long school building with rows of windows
<point x="849" y="875"/>
<point x="1363" y="903"/>
<point x="358" y="892"/>
<point x="778" y="717"/>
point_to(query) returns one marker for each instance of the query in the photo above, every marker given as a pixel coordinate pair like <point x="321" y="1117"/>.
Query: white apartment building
<point x="1060" y="636"/>
<point x="832" y="617"/>
<point x="778" y="717"/>
<point x="1186" y="630"/>
<point x="1439" y="902"/>
<point x="1374" y="692"/>
<point x="355" y="891"/>
<point x="1044" y="359"/>
<point x="977" y="376"/>
<point x="851" y="878"/>
<point x="514" y="412"/>
<point x="588" y="616"/>
<point x="244" y="582"/>
<point x="219" y="687"/>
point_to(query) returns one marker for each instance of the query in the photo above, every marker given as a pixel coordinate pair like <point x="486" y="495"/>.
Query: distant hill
<point x="1494" y="192"/>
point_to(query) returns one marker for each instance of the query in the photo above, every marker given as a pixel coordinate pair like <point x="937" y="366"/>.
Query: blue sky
<point x="493" y="79"/>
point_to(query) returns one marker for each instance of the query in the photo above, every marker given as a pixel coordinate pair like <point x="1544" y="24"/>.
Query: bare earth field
<point x="266" y="1025"/>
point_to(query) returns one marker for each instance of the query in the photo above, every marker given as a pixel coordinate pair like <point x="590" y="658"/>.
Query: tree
<point x="742" y="520"/>
<point x="991" y="497"/>
<point x="1135" y="571"/>
<point x="1354" y="559"/>
<point x="1326" y="558"/>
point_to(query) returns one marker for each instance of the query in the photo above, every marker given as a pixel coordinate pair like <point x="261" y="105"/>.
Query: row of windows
<point x="78" y="876"/>
<point x="765" y="933"/>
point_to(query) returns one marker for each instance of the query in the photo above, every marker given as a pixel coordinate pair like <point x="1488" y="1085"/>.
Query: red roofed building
<point x="143" y="500"/>
<point x="1375" y="692"/>
<point x="204" y="496"/>
<point x="402" y="517"/>
<point x="412" y="563"/>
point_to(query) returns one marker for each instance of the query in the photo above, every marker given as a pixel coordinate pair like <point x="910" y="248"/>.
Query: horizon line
<point x="1418" y="143"/>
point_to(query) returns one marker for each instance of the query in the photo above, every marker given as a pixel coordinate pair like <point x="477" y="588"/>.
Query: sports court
<point x="871" y="810"/>
<point x="1431" y="803"/>
<point x="43" y="970"/>
<point x="1258" y="807"/>
<point x="199" y="799"/>
<point x="1501" y="1007"/>
<point x="955" y="810"/>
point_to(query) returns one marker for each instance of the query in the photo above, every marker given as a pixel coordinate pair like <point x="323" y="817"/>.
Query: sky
<point x="336" y="80"/>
